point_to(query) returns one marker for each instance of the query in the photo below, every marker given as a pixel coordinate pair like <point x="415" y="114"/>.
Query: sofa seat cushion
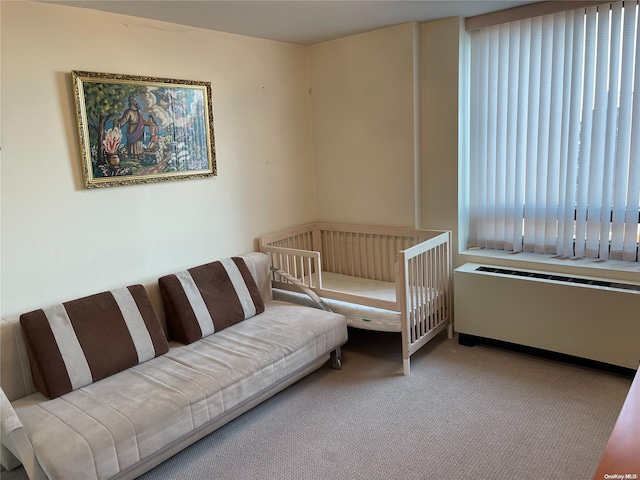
<point x="112" y="424"/>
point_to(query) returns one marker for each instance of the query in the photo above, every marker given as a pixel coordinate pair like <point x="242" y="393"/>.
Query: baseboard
<point x="473" y="340"/>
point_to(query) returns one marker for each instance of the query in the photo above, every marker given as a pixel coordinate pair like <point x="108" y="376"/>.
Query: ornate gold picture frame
<point x="136" y="129"/>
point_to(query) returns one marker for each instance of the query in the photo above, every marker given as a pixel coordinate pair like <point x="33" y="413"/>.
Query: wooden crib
<point x="380" y="278"/>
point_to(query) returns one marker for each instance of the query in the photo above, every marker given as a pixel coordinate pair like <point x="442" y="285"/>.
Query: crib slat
<point x="384" y="255"/>
<point x="416" y="293"/>
<point x="350" y="252"/>
<point x="342" y="254"/>
<point x="440" y="312"/>
<point x="367" y="261"/>
<point x="425" y="278"/>
<point x="438" y="286"/>
<point x="362" y="255"/>
<point x="337" y="268"/>
<point x="339" y="236"/>
<point x="394" y="259"/>
<point x="333" y="252"/>
<point x="379" y="258"/>
<point x="412" y="303"/>
<point x="432" y="258"/>
<point x="424" y="293"/>
<point x="422" y="284"/>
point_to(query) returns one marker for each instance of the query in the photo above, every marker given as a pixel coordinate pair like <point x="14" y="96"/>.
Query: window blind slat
<point x="568" y="147"/>
<point x="502" y="110"/>
<point x="610" y="134"/>
<point x="597" y="151"/>
<point x="586" y="131"/>
<point x="629" y="251"/>
<point x="492" y="137"/>
<point x="513" y="229"/>
<point x="555" y="131"/>
<point x="531" y="180"/>
<point x="621" y="176"/>
<point x="522" y="128"/>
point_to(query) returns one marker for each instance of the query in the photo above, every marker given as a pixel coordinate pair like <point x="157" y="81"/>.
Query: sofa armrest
<point x="19" y="445"/>
<point x="8" y="417"/>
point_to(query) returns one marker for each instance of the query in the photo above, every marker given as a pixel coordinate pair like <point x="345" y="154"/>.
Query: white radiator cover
<point x="588" y="321"/>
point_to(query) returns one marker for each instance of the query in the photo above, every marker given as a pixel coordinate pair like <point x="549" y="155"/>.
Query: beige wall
<point x="440" y="47"/>
<point x="60" y="241"/>
<point x="363" y="127"/>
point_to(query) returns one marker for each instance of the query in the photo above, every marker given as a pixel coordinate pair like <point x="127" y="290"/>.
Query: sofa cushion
<point x="76" y="343"/>
<point x="209" y="298"/>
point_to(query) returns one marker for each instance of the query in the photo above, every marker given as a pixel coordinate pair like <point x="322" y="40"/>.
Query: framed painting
<point x="136" y="129"/>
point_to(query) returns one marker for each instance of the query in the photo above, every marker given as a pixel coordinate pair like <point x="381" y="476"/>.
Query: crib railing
<point x="303" y="265"/>
<point x="366" y="251"/>
<point x="419" y="262"/>
<point x="424" y="293"/>
<point x="301" y="238"/>
<point x="363" y="251"/>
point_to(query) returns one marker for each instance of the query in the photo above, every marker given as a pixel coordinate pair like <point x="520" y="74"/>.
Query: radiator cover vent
<point x="560" y="278"/>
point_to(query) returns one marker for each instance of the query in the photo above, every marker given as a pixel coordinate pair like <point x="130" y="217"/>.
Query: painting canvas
<point x="142" y="129"/>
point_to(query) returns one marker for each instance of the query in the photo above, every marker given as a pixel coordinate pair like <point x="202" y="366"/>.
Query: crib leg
<point x="450" y="330"/>
<point x="336" y="359"/>
<point x="406" y="366"/>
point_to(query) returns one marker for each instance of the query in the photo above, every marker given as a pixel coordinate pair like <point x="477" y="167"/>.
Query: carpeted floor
<point x="463" y="413"/>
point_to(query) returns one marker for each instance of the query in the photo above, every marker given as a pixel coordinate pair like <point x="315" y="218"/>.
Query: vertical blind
<point x="555" y="134"/>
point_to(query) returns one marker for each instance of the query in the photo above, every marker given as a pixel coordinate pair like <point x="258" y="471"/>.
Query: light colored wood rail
<point x="297" y="237"/>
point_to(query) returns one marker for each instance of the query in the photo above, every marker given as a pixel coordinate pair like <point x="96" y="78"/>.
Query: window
<point x="555" y="134"/>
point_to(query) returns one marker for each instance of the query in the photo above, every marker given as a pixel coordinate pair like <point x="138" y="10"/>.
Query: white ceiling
<point x="303" y="22"/>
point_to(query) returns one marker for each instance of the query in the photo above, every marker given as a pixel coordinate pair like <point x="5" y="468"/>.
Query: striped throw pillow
<point x="208" y="298"/>
<point x="82" y="341"/>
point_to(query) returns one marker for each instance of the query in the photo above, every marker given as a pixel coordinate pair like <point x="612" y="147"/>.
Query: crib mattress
<point x="358" y="286"/>
<point x="358" y="316"/>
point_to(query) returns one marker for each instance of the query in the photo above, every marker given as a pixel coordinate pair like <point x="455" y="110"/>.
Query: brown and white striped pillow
<point x="76" y="343"/>
<point x="208" y="298"/>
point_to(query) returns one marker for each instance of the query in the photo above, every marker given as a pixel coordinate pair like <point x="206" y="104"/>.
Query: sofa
<point x="95" y="389"/>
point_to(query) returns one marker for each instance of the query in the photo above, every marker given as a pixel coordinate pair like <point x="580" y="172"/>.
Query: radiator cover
<point x="580" y="316"/>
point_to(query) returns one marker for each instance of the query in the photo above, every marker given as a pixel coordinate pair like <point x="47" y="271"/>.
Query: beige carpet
<point x="464" y="413"/>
